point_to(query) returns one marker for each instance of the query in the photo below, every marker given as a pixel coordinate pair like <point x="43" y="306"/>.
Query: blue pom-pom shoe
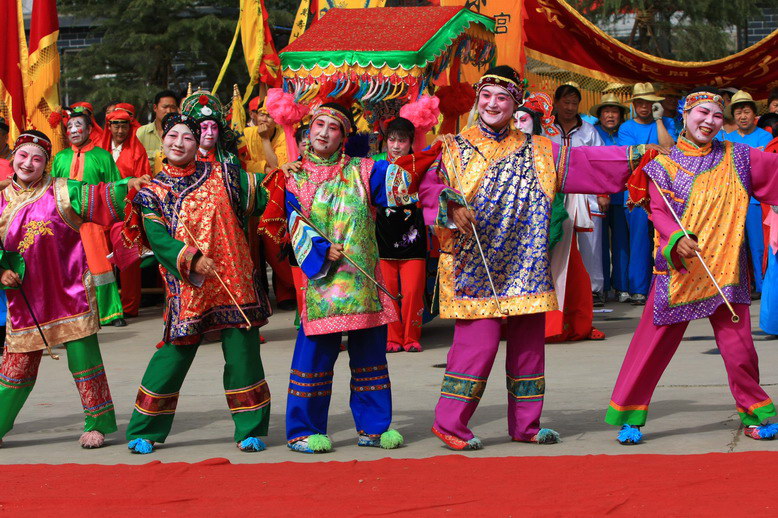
<point x="765" y="432"/>
<point x="630" y="435"/>
<point x="141" y="446"/>
<point x="251" y="444"/>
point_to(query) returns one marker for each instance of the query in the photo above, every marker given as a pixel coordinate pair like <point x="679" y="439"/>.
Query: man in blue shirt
<point x="648" y="127"/>
<point x="670" y="107"/>
<point x="743" y="110"/>
<point x="610" y="114"/>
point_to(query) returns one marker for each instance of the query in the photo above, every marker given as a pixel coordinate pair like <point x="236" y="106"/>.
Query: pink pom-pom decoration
<point x="423" y="113"/>
<point x="286" y="112"/>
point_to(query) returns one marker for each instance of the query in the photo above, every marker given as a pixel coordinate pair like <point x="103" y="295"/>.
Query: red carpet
<point x="735" y="484"/>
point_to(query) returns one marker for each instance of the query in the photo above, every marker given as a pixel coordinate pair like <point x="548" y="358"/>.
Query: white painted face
<point x="703" y="122"/>
<point x="495" y="106"/>
<point x="209" y="134"/>
<point x="179" y="145"/>
<point x="29" y="163"/>
<point x="524" y="122"/>
<point x="326" y="135"/>
<point x="78" y="131"/>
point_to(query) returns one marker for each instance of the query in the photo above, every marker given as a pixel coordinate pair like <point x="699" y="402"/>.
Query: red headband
<point x="35" y="140"/>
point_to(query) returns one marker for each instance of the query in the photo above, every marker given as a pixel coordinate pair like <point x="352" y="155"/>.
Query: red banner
<point x="556" y="33"/>
<point x="42" y="90"/>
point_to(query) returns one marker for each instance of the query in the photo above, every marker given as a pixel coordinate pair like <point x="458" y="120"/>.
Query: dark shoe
<point x="638" y="299"/>
<point x="755" y="295"/>
<point x="287" y="305"/>
<point x="119" y="322"/>
<point x="598" y="299"/>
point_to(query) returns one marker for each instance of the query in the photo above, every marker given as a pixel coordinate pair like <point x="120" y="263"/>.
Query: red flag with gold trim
<point x="42" y="89"/>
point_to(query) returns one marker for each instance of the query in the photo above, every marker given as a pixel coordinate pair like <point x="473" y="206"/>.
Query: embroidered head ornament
<point x="506" y="78"/>
<point x="698" y="98"/>
<point x="37" y="139"/>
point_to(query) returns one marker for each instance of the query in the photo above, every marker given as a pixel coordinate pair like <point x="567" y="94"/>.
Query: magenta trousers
<point x="470" y="360"/>
<point x="653" y="346"/>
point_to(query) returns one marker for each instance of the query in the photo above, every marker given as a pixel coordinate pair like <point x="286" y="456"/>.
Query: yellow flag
<point x="300" y="20"/>
<point x="252" y="35"/>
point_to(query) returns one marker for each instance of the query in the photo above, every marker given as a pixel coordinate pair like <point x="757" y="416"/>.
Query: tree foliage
<point x="149" y="45"/>
<point x="687" y="30"/>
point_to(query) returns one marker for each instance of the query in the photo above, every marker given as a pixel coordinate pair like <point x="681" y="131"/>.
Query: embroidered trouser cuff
<point x="246" y="390"/>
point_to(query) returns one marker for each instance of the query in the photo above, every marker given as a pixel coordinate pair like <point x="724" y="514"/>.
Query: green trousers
<point x="248" y="396"/>
<point x="20" y="370"/>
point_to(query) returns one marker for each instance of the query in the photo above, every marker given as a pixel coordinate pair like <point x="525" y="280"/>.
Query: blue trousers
<point x="310" y="382"/>
<point x="755" y="239"/>
<point x="768" y="314"/>
<point x="641" y="246"/>
<point x="615" y="249"/>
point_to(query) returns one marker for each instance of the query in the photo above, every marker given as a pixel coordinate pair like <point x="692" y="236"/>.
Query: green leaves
<point x="150" y="45"/>
<point x="686" y="30"/>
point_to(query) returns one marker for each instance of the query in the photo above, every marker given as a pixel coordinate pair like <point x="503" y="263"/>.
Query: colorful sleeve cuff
<point x="252" y="191"/>
<point x="310" y="249"/>
<point x="447" y="196"/>
<point x="674" y="260"/>
<point x="398" y="184"/>
<point x="634" y="155"/>
<point x="563" y="167"/>
<point x="185" y="261"/>
<point x="12" y="261"/>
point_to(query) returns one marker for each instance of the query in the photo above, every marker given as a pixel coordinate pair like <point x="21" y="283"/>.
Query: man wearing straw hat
<point x="648" y="127"/>
<point x="742" y="110"/>
<point x="610" y="114"/>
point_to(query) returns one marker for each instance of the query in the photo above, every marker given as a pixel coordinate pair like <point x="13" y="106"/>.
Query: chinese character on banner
<point x="474" y="5"/>
<point x="501" y="23"/>
<point x="507" y="16"/>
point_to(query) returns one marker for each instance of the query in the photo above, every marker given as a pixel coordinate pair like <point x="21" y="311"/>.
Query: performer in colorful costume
<point x="510" y="180"/>
<point x="263" y="149"/>
<point x="42" y="253"/>
<point x="402" y="247"/>
<point x="708" y="184"/>
<point x="218" y="143"/>
<point x="576" y="261"/>
<point x="338" y="194"/>
<point x="119" y="138"/>
<point x="85" y="162"/>
<point x="210" y="200"/>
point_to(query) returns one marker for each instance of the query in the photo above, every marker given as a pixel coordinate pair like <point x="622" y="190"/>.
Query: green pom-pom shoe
<point x="389" y="440"/>
<point x="316" y="443"/>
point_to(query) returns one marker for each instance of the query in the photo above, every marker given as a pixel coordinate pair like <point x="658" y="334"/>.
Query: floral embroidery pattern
<point x="34" y="228"/>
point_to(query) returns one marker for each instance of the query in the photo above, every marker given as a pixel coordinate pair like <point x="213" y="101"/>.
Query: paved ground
<point x="692" y="411"/>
